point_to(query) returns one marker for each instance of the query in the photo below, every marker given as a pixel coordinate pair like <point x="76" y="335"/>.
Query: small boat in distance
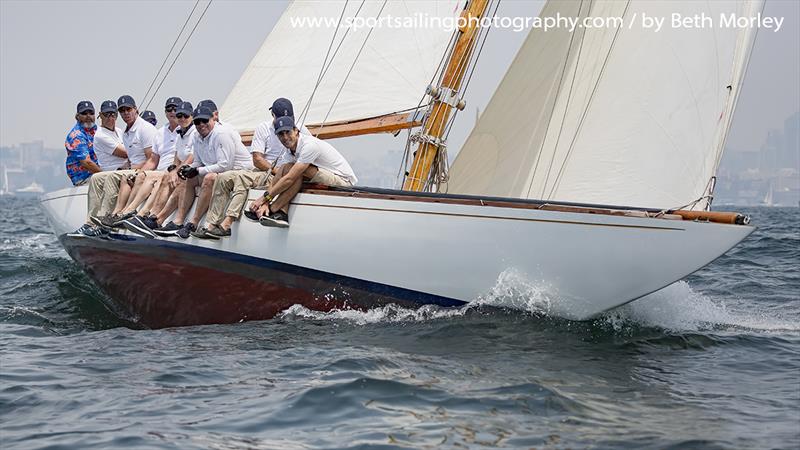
<point x="585" y="122"/>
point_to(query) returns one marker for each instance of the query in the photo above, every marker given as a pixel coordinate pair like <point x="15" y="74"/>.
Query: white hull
<point x="589" y="263"/>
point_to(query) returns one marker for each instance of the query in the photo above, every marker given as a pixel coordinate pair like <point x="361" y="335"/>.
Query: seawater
<point x="712" y="361"/>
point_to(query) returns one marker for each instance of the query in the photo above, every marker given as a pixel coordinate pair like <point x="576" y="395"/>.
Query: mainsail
<point x="371" y="70"/>
<point x="612" y="115"/>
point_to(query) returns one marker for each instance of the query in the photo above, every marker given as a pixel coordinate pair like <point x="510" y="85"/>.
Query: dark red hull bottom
<point x="165" y="283"/>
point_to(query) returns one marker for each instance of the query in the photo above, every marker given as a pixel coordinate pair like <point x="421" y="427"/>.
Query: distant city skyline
<point x="49" y="62"/>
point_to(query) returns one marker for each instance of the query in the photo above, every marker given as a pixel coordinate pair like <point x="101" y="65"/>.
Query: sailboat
<point x="590" y="171"/>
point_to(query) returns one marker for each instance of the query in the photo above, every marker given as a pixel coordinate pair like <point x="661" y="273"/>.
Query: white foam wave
<point x="678" y="307"/>
<point x="388" y="313"/>
<point x="36" y="242"/>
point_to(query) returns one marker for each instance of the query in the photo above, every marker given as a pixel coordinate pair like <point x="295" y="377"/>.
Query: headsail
<point x="612" y="115"/>
<point x="387" y="74"/>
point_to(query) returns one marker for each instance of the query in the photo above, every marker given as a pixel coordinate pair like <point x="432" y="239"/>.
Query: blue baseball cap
<point x="149" y="116"/>
<point x="208" y="104"/>
<point x="126" y="101"/>
<point x="84" y="105"/>
<point x="283" y="123"/>
<point x="108" y="106"/>
<point x="184" y="108"/>
<point x="282" y="107"/>
<point x="203" y="112"/>
<point x="173" y="101"/>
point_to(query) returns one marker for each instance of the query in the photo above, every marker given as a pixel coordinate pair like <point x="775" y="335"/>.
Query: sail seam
<point x="560" y="175"/>
<point x="552" y="110"/>
<point x="566" y="107"/>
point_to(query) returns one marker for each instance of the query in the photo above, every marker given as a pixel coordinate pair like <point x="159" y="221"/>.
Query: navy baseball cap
<point x="208" y="104"/>
<point x="282" y="107"/>
<point x="149" y="116"/>
<point x="203" y="112"/>
<point x="173" y="101"/>
<point x="184" y="108"/>
<point x="84" y="105"/>
<point x="126" y="101"/>
<point x="283" y="123"/>
<point x="108" y="106"/>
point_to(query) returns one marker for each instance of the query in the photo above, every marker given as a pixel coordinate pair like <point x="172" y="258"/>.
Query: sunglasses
<point x="200" y="121"/>
<point x="170" y="109"/>
<point x="182" y="116"/>
<point x="87" y="113"/>
<point x="109" y="114"/>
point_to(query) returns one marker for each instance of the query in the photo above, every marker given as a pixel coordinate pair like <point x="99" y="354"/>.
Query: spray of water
<point x="676" y="308"/>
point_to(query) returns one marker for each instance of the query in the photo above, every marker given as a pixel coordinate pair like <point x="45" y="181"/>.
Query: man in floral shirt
<point x="81" y="160"/>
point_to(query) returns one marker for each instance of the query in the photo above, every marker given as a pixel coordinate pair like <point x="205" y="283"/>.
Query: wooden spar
<point x="451" y="81"/>
<point x="382" y="124"/>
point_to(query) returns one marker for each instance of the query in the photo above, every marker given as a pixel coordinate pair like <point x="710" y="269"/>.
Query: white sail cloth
<point x="390" y="73"/>
<point x="612" y="115"/>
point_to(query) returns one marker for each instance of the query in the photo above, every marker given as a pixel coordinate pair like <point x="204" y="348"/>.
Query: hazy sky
<point x="54" y="53"/>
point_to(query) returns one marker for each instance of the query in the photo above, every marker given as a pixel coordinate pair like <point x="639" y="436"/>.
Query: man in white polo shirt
<point x="114" y="187"/>
<point x="108" y="146"/>
<point x="148" y="182"/>
<point x="317" y="162"/>
<point x="216" y="150"/>
<point x="268" y="153"/>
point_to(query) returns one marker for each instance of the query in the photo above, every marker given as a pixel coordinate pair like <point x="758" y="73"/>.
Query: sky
<point x="55" y="53"/>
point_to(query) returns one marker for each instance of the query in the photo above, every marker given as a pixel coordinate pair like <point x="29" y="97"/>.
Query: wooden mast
<point x="446" y="97"/>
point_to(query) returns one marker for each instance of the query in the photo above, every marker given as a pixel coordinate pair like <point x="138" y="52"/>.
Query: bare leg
<point x="143" y="193"/>
<point x="122" y="198"/>
<point x="172" y="204"/>
<point x="187" y="198"/>
<point x="204" y="199"/>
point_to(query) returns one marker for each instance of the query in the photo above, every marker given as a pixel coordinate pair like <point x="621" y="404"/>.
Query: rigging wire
<point x="560" y="174"/>
<point x="355" y="60"/>
<point x="324" y="69"/>
<point x="555" y="102"/>
<point x="166" y="58"/>
<point x="188" y="38"/>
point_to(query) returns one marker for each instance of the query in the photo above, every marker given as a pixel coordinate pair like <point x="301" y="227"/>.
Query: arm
<point x="260" y="161"/>
<point x="90" y="165"/>
<point x="120" y="151"/>
<point x="295" y="173"/>
<point x="152" y="159"/>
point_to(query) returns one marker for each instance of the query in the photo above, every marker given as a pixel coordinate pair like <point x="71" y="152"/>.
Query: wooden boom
<point x="382" y="124"/>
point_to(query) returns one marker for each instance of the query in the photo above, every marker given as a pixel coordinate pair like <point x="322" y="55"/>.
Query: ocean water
<point x="712" y="361"/>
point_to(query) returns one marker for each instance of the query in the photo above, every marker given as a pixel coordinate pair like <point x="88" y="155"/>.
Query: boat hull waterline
<point x="349" y="252"/>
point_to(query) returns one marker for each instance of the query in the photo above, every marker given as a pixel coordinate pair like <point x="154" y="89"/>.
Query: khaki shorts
<point x="328" y="178"/>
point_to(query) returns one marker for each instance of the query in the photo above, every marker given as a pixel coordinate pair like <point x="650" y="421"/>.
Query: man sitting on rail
<point x="317" y="162"/>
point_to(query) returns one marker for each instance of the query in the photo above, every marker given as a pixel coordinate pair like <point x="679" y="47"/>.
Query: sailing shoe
<point x="151" y="222"/>
<point x="251" y="215"/>
<point x="168" y="230"/>
<point x="203" y="233"/>
<point x="89" y="231"/>
<point x="109" y="221"/>
<point x="277" y="219"/>
<point x="186" y="230"/>
<point x="135" y="225"/>
<point x="123" y="217"/>
<point x="219" y="232"/>
<point x="99" y="222"/>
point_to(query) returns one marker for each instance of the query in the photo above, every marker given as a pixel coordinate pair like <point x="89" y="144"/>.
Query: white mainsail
<point x="387" y="74"/>
<point x="612" y="115"/>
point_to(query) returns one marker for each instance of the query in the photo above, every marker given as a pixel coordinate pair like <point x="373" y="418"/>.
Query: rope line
<point x="188" y="38"/>
<point x="166" y="58"/>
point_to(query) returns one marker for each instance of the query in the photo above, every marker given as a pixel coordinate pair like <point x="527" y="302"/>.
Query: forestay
<point x="612" y="115"/>
<point x="390" y="74"/>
